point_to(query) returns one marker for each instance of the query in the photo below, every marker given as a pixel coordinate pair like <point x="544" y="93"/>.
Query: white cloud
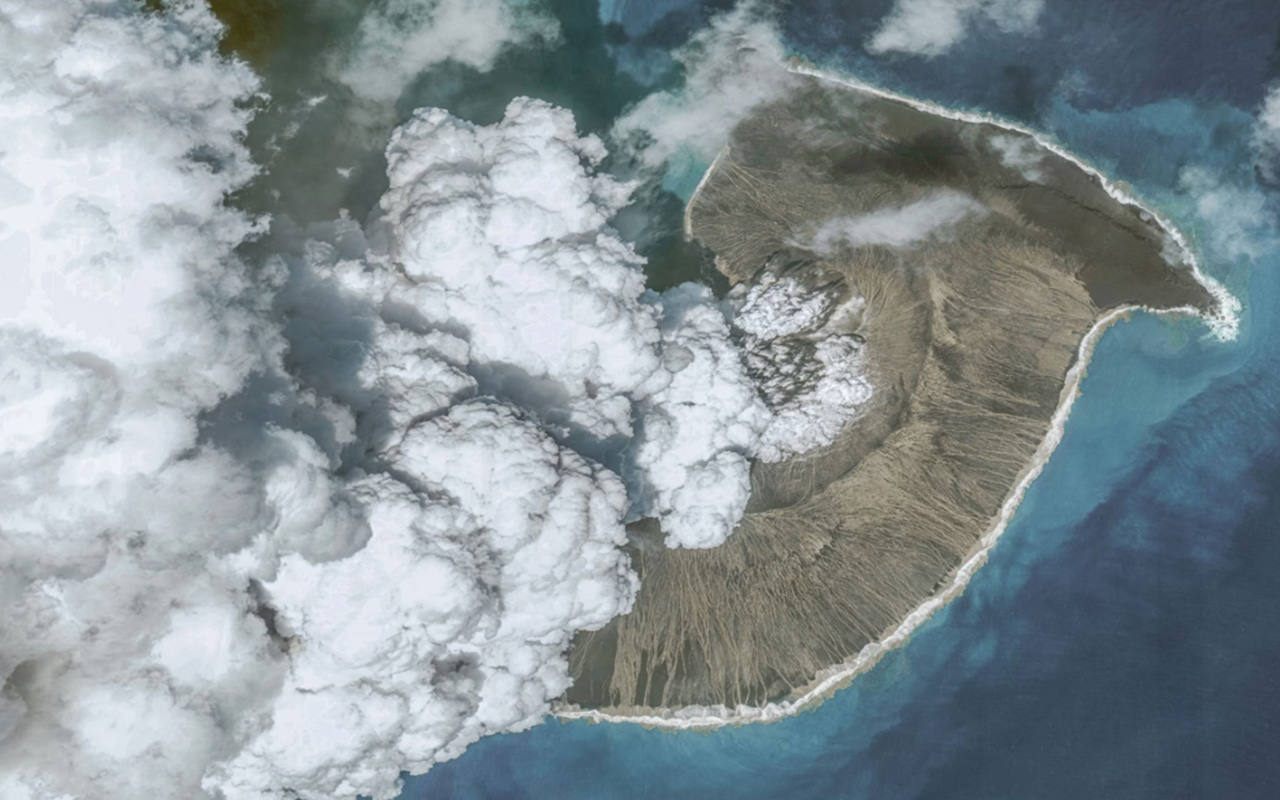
<point x="125" y="314"/>
<point x="732" y="67"/>
<point x="399" y="39"/>
<point x="501" y="233"/>
<point x="1266" y="135"/>
<point x="932" y="27"/>
<point x="500" y="230"/>
<point x="690" y="460"/>
<point x="126" y="318"/>
<point x="1237" y="221"/>
<point x="900" y="226"/>
<point x="292" y="529"/>
<point x="451" y="623"/>
<point x="1020" y="153"/>
<point x="493" y="542"/>
<point x="199" y="602"/>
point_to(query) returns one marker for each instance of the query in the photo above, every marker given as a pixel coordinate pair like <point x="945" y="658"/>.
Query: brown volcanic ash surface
<point x="254" y="27"/>
<point x="968" y="334"/>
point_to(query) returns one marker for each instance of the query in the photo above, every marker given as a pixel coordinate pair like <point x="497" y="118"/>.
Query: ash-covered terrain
<point x="931" y="282"/>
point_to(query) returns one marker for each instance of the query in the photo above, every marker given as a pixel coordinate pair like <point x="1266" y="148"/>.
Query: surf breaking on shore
<point x="1223" y="322"/>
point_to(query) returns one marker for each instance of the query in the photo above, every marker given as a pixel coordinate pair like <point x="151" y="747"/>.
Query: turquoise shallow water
<point x="1122" y="641"/>
<point x="1107" y="646"/>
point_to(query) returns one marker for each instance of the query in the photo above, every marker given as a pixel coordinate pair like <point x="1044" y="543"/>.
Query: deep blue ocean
<point x="1124" y="639"/>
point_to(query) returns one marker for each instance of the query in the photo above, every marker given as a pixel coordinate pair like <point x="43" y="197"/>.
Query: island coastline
<point x="839" y="676"/>
<point x="1222" y="320"/>
<point x="1225" y="325"/>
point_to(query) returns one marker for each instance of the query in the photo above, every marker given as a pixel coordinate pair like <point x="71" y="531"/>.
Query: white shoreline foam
<point x="1224" y="324"/>
<point x="688" y="207"/>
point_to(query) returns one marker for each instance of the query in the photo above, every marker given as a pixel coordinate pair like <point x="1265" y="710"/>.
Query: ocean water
<point x="1123" y="641"/>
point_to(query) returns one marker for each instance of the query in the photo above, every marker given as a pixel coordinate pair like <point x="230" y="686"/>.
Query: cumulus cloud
<point x="932" y="27"/>
<point x="505" y="223"/>
<point x="125" y="318"/>
<point x="690" y="458"/>
<point x="502" y="325"/>
<point x="500" y="232"/>
<point x="1266" y="135"/>
<point x="125" y="314"/>
<point x="451" y="623"/>
<point x="900" y="226"/>
<point x="399" y="39"/>
<point x="286" y="531"/>
<point x="731" y="68"/>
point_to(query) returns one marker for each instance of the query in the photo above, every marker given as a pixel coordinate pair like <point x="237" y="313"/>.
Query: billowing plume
<point x="287" y="530"/>
<point x="801" y="353"/>
<point x="499" y="233"/>
<point x="489" y="548"/>
<point x="126" y="317"/>
<point x="897" y="226"/>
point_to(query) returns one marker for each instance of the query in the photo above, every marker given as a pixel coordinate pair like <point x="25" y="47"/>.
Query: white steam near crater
<point x="499" y="234"/>
<point x="290" y="530"/>
<point x="810" y="369"/>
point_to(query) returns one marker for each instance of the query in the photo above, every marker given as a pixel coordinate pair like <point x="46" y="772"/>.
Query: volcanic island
<point x="972" y="265"/>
